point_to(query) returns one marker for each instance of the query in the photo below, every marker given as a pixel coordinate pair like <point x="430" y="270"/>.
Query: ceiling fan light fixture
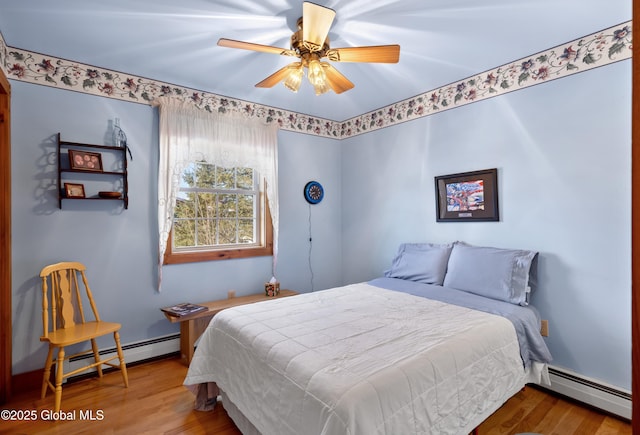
<point x="317" y="76"/>
<point x="321" y="88"/>
<point x="310" y="44"/>
<point x="294" y="77"/>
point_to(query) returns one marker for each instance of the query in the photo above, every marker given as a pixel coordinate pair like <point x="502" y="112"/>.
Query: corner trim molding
<point x="3" y="55"/>
<point x="595" y="50"/>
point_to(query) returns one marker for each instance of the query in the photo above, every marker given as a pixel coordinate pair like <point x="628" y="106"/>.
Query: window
<point x="230" y="140"/>
<point x="220" y="213"/>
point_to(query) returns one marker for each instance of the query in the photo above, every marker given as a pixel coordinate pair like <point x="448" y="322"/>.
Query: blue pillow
<point x="501" y="274"/>
<point x="420" y="262"/>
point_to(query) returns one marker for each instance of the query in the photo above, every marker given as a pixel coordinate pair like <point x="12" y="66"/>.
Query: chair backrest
<point x="62" y="296"/>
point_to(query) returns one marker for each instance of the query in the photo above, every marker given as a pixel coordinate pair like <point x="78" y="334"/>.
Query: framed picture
<point x="72" y="190"/>
<point x="468" y="196"/>
<point x="85" y="161"/>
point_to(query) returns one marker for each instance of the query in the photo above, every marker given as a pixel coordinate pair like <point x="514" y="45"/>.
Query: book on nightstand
<point x="183" y="309"/>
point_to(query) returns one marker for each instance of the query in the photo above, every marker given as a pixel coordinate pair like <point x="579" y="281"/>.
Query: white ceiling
<point x="441" y="41"/>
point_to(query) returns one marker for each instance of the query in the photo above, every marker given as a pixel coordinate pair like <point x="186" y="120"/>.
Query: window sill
<point x="198" y="256"/>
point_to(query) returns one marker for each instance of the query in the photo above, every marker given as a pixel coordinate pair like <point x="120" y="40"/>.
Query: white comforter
<point x="360" y="360"/>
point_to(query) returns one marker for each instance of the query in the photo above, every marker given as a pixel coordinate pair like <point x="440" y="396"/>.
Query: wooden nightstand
<point x="193" y="325"/>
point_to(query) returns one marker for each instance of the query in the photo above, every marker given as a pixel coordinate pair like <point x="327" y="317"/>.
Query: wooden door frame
<point x="635" y="228"/>
<point x="5" y="239"/>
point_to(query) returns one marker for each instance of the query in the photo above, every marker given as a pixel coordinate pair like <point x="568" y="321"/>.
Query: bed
<point x="388" y="356"/>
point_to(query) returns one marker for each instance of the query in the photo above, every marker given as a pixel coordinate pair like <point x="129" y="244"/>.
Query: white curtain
<point x="189" y="134"/>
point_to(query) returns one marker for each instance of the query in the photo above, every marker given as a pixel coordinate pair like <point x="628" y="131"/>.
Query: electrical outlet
<point x="544" y="328"/>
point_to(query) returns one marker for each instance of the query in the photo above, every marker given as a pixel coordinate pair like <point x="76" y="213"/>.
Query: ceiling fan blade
<point x="276" y="77"/>
<point x="231" y="43"/>
<point x="338" y="82"/>
<point x="372" y="54"/>
<point x="316" y="21"/>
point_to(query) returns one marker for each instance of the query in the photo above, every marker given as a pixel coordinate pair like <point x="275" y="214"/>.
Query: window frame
<point x="264" y="247"/>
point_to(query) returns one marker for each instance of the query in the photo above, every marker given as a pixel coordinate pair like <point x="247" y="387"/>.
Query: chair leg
<point x="123" y="365"/>
<point x="59" y="378"/>
<point x="47" y="373"/>
<point x="96" y="356"/>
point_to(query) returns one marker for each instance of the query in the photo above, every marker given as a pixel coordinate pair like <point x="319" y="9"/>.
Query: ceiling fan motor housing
<point x="304" y="48"/>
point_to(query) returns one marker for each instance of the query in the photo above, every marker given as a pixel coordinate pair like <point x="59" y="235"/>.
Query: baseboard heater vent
<point x="590" y="391"/>
<point x="133" y="352"/>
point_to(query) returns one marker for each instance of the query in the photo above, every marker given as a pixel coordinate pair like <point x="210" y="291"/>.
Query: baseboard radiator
<point x="133" y="352"/>
<point x="590" y="391"/>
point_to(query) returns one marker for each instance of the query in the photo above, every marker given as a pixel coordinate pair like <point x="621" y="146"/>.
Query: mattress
<point x="360" y="359"/>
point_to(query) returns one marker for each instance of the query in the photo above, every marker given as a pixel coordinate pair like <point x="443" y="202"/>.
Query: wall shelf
<point x="72" y="175"/>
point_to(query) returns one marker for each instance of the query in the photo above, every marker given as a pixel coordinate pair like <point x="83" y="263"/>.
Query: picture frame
<point x="73" y="190"/>
<point x="467" y="196"/>
<point x="85" y="161"/>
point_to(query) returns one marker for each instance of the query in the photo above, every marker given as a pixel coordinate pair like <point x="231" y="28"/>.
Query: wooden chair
<point x="64" y="324"/>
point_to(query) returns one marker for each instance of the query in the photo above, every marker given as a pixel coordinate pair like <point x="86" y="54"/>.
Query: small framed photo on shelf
<point x="72" y="190"/>
<point x="467" y="197"/>
<point x="85" y="161"/>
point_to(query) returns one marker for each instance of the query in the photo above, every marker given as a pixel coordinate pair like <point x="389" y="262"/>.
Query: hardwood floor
<point x="157" y="403"/>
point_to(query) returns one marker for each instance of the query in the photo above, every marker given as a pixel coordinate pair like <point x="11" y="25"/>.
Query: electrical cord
<point x="310" y="249"/>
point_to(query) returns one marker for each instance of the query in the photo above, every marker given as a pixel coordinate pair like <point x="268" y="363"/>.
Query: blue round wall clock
<point x="313" y="192"/>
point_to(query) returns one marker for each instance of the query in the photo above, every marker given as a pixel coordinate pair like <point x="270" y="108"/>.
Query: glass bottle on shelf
<point x="119" y="138"/>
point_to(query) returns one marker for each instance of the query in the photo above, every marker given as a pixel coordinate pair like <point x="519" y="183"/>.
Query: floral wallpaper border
<point x="592" y="51"/>
<point x="60" y="73"/>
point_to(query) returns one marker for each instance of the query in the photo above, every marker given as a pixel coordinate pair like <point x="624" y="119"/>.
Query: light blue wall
<point x="563" y="153"/>
<point x="562" y="150"/>
<point x="119" y="246"/>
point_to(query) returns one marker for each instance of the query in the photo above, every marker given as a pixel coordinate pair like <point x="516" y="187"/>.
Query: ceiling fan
<point x="311" y="44"/>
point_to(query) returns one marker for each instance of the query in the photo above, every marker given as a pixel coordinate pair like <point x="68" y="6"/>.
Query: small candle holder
<point x="272" y="288"/>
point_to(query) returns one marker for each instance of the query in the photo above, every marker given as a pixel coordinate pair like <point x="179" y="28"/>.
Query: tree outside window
<point x="219" y="211"/>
